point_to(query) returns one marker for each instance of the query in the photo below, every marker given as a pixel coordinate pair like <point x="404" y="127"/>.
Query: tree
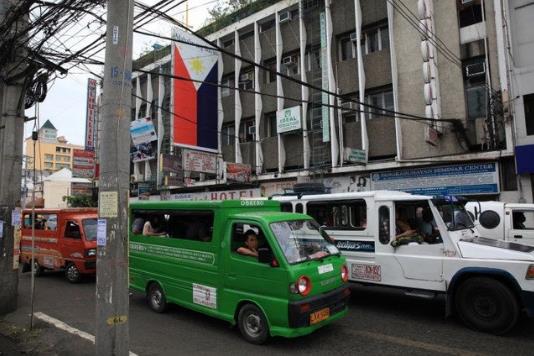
<point x="80" y="201"/>
<point x="223" y="8"/>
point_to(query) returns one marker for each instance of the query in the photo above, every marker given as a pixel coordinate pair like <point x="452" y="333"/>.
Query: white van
<point x="427" y="247"/>
<point x="512" y="222"/>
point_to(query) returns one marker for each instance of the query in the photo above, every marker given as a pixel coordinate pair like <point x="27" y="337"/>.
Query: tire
<point x="38" y="270"/>
<point x="72" y="273"/>
<point x="487" y="305"/>
<point x="253" y="324"/>
<point x="156" y="298"/>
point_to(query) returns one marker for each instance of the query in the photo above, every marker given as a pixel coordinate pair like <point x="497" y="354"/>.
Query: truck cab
<point x="65" y="239"/>
<point x="513" y="222"/>
<point x="427" y="246"/>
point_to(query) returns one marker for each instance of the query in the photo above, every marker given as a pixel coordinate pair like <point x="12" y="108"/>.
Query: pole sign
<point x="354" y="155"/>
<point x="90" y="116"/>
<point x="288" y="120"/>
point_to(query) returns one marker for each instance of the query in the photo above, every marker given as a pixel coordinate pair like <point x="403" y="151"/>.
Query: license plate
<point x="319" y="316"/>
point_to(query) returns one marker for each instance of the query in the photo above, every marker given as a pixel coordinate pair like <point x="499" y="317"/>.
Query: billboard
<point x="197" y="161"/>
<point x="90" y="116"/>
<point x="143" y="131"/>
<point x="288" y="119"/>
<point x="238" y="172"/>
<point x="457" y="179"/>
<point x="83" y="163"/>
<point x="142" y="152"/>
<point x="194" y="101"/>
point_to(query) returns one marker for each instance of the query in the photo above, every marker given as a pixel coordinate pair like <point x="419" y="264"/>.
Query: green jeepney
<point x="186" y="253"/>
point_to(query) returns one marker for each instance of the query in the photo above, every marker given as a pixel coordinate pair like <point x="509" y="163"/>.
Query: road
<point x="379" y="322"/>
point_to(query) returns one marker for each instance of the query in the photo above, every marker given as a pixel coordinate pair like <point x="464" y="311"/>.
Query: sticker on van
<point x="181" y="253"/>
<point x="325" y="268"/>
<point x="366" y="272"/>
<point x="204" y="295"/>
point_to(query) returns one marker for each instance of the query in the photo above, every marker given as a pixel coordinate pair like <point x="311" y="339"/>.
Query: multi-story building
<point x="52" y="152"/>
<point x="397" y="94"/>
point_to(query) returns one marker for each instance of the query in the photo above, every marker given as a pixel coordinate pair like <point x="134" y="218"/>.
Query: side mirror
<point x="265" y="255"/>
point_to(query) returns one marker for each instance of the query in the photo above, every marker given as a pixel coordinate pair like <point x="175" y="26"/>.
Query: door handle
<point x="518" y="236"/>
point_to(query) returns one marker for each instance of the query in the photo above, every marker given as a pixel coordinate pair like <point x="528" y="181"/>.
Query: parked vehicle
<point x="65" y="239"/>
<point x="427" y="247"/>
<point x="194" y="257"/>
<point x="504" y="221"/>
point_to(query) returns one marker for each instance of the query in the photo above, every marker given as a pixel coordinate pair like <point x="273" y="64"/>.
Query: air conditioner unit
<point x="245" y="77"/>
<point x="252" y="130"/>
<point x="353" y="37"/>
<point x="289" y="60"/>
<point x="475" y="69"/>
<point x="348" y="107"/>
<point x="284" y="16"/>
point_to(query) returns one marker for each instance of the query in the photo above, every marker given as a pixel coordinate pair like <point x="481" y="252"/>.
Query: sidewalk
<point x="44" y="339"/>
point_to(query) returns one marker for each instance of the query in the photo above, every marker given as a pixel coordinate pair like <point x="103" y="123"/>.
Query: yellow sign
<point x="117" y="319"/>
<point x="108" y="203"/>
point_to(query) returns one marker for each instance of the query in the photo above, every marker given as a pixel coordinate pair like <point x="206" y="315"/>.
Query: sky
<point x="65" y="102"/>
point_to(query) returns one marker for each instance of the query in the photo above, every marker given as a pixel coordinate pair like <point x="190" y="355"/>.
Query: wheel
<point x="487" y="305"/>
<point x="72" y="273"/>
<point x="156" y="298"/>
<point x="37" y="269"/>
<point x="253" y="324"/>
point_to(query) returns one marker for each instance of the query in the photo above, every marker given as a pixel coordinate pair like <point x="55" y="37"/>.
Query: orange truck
<point x="65" y="240"/>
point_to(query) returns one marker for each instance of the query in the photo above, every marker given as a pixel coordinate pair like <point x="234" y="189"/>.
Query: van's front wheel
<point x="156" y="298"/>
<point x="253" y="324"/>
<point x="72" y="273"/>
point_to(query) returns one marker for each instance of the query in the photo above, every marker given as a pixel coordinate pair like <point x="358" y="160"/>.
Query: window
<point x="346" y="48"/>
<point x="227" y="83"/>
<point x="376" y="39"/>
<point x="48" y="157"/>
<point x="246" y="79"/>
<point x="371" y="38"/>
<point x="49" y="165"/>
<point x="384" y="38"/>
<point x="58" y="149"/>
<point x="286" y="207"/>
<point x="247" y="239"/>
<point x="383" y="99"/>
<point x="291" y="64"/>
<point x="414" y="222"/>
<point x="228" y="135"/>
<point x="62" y="165"/>
<point x="270" y="76"/>
<point x="476" y="102"/>
<point x="528" y="101"/>
<point x="523" y="220"/>
<point x="42" y="221"/>
<point x="89" y="229"/>
<point x="228" y="43"/>
<point x="247" y="130"/>
<point x="299" y="208"/>
<point x="470" y="14"/>
<point x="246" y="35"/>
<point x="270" y="124"/>
<point x="72" y="230"/>
<point x="383" y="225"/>
<point x="339" y="215"/>
<point x="267" y="25"/>
<point x="508" y="174"/>
<point x="188" y="225"/>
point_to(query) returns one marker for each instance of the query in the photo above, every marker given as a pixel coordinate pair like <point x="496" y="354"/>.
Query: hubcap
<point x="253" y="324"/>
<point x="156" y="298"/>
<point x="72" y="272"/>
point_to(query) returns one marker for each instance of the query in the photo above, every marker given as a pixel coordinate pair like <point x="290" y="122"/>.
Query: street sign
<point x="288" y="119"/>
<point x="354" y="155"/>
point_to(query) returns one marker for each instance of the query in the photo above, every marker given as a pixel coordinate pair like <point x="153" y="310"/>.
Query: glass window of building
<point x="270" y="76"/>
<point x="528" y="101"/>
<point x="346" y="48"/>
<point x="371" y="39"/>
<point x="247" y="130"/>
<point x="48" y="157"/>
<point x="380" y="99"/>
<point x="228" y="134"/>
<point x="246" y="79"/>
<point x="384" y="38"/>
<point x="227" y="83"/>
<point x="476" y="101"/>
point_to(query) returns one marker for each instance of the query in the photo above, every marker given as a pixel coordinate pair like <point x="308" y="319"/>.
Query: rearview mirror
<point x="265" y="255"/>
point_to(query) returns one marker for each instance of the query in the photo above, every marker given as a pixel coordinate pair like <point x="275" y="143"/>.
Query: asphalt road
<point x="378" y="323"/>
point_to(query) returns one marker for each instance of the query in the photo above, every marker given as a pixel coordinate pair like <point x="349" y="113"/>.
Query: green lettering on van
<point x="175" y="252"/>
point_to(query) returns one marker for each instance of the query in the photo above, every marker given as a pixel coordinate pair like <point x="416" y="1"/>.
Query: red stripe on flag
<point x="185" y="105"/>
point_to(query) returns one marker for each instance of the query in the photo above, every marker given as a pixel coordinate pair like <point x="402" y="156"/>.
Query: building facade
<point x="350" y="68"/>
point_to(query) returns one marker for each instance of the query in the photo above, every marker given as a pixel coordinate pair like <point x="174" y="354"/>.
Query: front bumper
<point x="300" y="311"/>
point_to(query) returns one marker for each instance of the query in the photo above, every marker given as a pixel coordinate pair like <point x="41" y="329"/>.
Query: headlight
<point x="530" y="272"/>
<point x="91" y="252"/>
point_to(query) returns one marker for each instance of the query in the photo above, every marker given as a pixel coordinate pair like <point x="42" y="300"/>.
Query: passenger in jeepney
<point x="402" y="226"/>
<point x="250" y="245"/>
<point x="153" y="227"/>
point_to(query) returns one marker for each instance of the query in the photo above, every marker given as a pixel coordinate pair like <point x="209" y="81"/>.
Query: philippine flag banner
<point x="194" y="100"/>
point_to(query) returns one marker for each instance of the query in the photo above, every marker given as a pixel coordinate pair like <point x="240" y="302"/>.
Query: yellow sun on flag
<point x="197" y="66"/>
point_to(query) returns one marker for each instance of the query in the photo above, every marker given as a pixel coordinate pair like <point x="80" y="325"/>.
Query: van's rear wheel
<point x="156" y="298"/>
<point x="37" y="269"/>
<point x="72" y="273"/>
<point x="487" y="305"/>
<point x="253" y="324"/>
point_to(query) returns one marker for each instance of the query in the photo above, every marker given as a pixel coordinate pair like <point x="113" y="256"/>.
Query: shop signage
<point x="198" y="161"/>
<point x="288" y="119"/>
<point x="354" y="155"/>
<point x="238" y="172"/>
<point x="83" y="163"/>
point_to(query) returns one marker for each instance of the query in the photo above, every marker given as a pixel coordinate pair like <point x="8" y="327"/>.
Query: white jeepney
<point x="512" y="222"/>
<point x="487" y="283"/>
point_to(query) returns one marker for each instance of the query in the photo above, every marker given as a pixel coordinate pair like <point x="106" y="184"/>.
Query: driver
<point x="250" y="247"/>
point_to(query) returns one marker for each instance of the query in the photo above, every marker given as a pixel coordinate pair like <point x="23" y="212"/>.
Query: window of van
<point x="339" y="215"/>
<point x="523" y="220"/>
<point x="247" y="239"/>
<point x="42" y="221"/>
<point x="89" y="228"/>
<point x="72" y="230"/>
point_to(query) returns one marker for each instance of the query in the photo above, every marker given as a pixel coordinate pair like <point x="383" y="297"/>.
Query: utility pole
<point x="112" y="320"/>
<point x="11" y="134"/>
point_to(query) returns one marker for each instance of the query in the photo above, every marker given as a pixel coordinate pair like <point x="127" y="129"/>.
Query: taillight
<point x="304" y="285"/>
<point x="530" y="272"/>
<point x="344" y="273"/>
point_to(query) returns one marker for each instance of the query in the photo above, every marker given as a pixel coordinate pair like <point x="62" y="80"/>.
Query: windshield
<point x="455" y="216"/>
<point x="302" y="240"/>
<point x="89" y="228"/>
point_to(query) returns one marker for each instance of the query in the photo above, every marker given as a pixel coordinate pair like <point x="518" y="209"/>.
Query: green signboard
<point x="288" y="119"/>
<point x="354" y="155"/>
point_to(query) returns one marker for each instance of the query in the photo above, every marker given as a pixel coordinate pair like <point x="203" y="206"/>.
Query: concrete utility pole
<point x="112" y="337"/>
<point x="11" y="134"/>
